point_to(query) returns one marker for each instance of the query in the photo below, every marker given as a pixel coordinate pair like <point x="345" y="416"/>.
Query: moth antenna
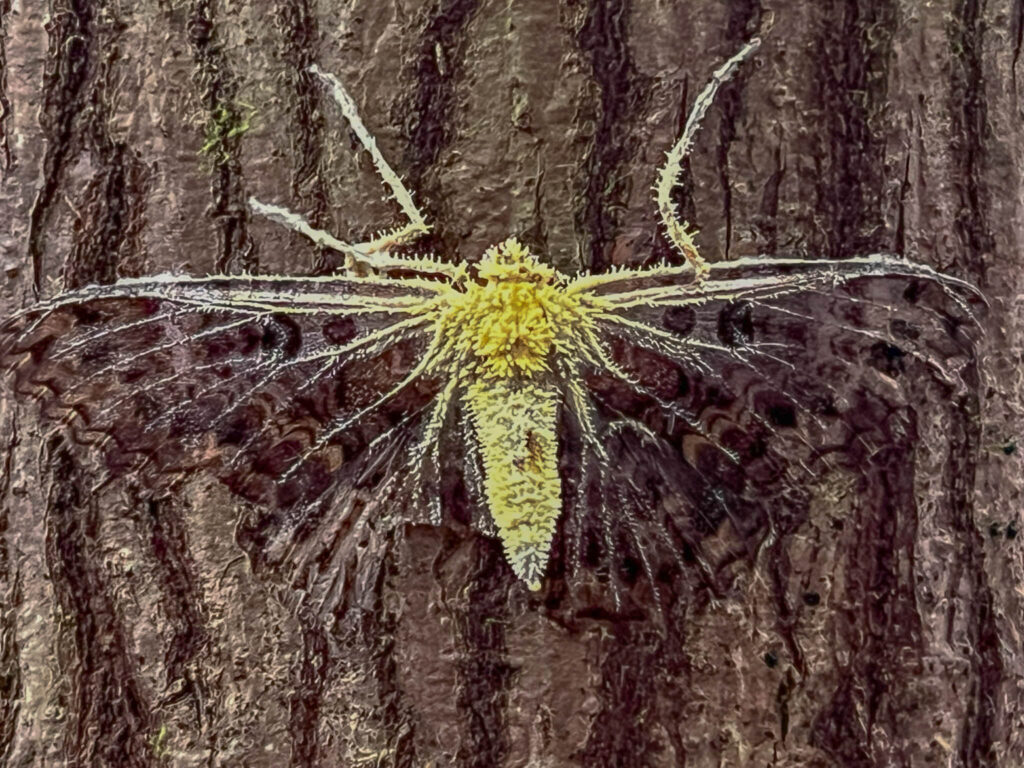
<point x="677" y="229"/>
<point x="417" y="225"/>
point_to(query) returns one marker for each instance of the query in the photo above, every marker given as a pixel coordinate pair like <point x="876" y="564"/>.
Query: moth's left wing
<point x="295" y="392"/>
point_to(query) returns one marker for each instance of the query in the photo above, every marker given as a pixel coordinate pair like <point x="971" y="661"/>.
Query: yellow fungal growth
<point x="514" y="423"/>
<point x="507" y="322"/>
<point x="497" y="336"/>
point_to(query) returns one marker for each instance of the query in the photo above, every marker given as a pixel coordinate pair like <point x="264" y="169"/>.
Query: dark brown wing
<point x="290" y="391"/>
<point x="739" y="394"/>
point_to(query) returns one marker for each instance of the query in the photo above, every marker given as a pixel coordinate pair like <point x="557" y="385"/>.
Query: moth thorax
<point x="509" y="319"/>
<point x="513" y="333"/>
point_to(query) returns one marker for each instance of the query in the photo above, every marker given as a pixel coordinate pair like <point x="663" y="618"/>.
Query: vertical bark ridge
<point x="10" y="596"/>
<point x="80" y="88"/>
<point x="969" y="117"/>
<point x="854" y="51"/>
<point x="107" y="238"/>
<point x="108" y="716"/>
<point x="675" y="655"/>
<point x="979" y="734"/>
<point x="431" y="107"/>
<point x="604" y="37"/>
<point x="535" y="237"/>
<point x="300" y="33"/>
<point x="70" y="62"/>
<point x="6" y="111"/>
<point x="744" y="19"/>
<point x="839" y="732"/>
<point x="183" y="605"/>
<point x="310" y="674"/>
<point x="767" y="221"/>
<point x="378" y="634"/>
<point x="630" y="673"/>
<point x="883" y="634"/>
<point x="787" y="616"/>
<point x="969" y="129"/>
<point x="900" y="234"/>
<point x="485" y="676"/>
<point x="1017" y="34"/>
<point x="227" y="123"/>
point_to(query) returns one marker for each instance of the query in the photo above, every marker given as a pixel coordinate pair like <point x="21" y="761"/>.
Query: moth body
<point x="514" y="424"/>
<point x="498" y="336"/>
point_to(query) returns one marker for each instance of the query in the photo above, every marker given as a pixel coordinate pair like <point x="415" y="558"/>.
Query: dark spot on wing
<point x="340" y="330"/>
<point x="86" y="315"/>
<point x="736" y="324"/>
<point x="782" y="415"/>
<point x="133" y="374"/>
<point x="276" y="460"/>
<point x="912" y="293"/>
<point x="250" y="338"/>
<point x="952" y="325"/>
<point x="684" y="386"/>
<point x="823" y="405"/>
<point x="904" y="330"/>
<point x="284" y="334"/>
<point x="887" y="358"/>
<point x="238" y="428"/>
<point x="779" y="411"/>
<point x="681" y="320"/>
<point x="40" y="349"/>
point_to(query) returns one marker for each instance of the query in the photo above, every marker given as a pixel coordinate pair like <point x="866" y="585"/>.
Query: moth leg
<point x="678" y="230"/>
<point x="360" y="257"/>
<point x="356" y="253"/>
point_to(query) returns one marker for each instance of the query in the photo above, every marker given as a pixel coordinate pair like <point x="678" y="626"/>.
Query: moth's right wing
<point x="722" y="401"/>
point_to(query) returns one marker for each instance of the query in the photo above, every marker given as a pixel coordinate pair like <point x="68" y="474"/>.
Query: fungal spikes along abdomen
<point x="514" y="422"/>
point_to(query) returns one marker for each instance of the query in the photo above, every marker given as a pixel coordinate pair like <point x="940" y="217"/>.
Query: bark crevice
<point x="227" y="122"/>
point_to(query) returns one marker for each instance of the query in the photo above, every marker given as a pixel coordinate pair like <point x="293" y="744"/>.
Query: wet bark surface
<point x="882" y="630"/>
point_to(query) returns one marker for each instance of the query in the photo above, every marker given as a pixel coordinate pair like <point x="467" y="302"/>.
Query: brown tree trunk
<point x="884" y="630"/>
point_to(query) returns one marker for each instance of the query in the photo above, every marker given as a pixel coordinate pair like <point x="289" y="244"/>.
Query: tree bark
<point x="883" y="630"/>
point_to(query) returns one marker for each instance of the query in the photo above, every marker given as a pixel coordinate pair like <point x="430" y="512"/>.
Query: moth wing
<point x="726" y="402"/>
<point x="293" y="392"/>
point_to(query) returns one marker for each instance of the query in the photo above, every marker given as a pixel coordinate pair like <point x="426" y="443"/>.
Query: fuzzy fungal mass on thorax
<point x="499" y="338"/>
<point x="507" y="322"/>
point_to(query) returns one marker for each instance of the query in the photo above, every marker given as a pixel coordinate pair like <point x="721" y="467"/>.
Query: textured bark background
<point x="885" y="631"/>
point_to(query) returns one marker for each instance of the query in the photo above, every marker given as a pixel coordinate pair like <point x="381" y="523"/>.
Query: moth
<point x="604" y="421"/>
